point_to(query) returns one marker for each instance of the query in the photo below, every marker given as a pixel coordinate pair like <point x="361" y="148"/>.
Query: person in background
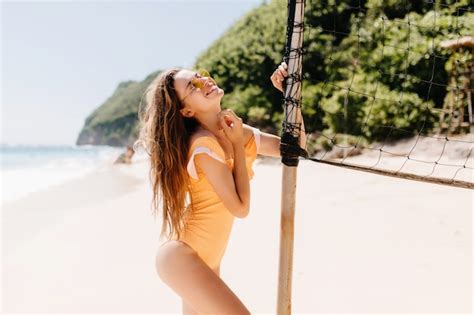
<point x="125" y="157"/>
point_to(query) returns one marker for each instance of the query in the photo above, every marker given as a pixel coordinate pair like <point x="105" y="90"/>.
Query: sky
<point x="60" y="60"/>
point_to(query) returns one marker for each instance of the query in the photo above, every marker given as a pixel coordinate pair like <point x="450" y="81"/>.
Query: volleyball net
<point x="386" y="87"/>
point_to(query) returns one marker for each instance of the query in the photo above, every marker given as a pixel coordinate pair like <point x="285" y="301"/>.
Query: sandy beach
<point x="364" y="243"/>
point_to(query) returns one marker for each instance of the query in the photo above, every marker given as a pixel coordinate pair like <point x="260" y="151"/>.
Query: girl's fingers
<point x="224" y="125"/>
<point x="230" y="120"/>
<point x="278" y="75"/>
<point x="282" y="69"/>
<point x="234" y="115"/>
<point x="230" y="114"/>
<point x="277" y="79"/>
<point x="283" y="74"/>
<point x="224" y="112"/>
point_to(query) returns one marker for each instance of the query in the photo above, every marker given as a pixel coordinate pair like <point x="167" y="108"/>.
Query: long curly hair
<point x="165" y="134"/>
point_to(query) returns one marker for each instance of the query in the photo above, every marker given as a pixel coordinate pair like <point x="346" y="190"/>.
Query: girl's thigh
<point x="202" y="290"/>
<point x="187" y="309"/>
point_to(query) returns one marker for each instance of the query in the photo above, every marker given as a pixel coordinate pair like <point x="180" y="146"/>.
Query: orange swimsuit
<point x="207" y="230"/>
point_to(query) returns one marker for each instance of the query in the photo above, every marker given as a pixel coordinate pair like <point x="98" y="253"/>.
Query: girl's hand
<point x="232" y="126"/>
<point x="279" y="75"/>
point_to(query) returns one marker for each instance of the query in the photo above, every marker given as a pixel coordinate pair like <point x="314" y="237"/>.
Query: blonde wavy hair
<point x="164" y="134"/>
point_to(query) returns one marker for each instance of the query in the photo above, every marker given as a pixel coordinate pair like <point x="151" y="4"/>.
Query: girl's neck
<point x="212" y="125"/>
<point x="219" y="133"/>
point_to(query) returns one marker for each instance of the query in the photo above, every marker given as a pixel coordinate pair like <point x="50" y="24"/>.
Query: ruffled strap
<point x="257" y="134"/>
<point x="253" y="145"/>
<point x="210" y="146"/>
<point x="206" y="145"/>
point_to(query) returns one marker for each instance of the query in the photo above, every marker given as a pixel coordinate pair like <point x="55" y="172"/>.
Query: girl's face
<point x="197" y="100"/>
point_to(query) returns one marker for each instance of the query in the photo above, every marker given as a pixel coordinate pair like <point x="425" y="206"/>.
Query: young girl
<point x="201" y="164"/>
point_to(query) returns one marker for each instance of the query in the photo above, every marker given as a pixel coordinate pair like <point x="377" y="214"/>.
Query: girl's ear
<point x="186" y="112"/>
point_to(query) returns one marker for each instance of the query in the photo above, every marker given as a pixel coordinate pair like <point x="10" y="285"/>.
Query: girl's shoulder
<point x="205" y="139"/>
<point x="203" y="143"/>
<point x="200" y="134"/>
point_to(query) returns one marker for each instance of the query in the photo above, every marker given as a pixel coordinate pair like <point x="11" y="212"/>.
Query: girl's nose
<point x="210" y="81"/>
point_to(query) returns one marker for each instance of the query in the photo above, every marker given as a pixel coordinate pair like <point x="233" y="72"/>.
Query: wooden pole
<point x="292" y="117"/>
<point x="288" y="197"/>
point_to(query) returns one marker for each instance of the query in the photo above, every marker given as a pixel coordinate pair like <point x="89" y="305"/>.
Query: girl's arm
<point x="231" y="187"/>
<point x="241" y="177"/>
<point x="270" y="144"/>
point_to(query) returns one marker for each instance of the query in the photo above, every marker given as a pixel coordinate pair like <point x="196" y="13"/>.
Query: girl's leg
<point x="179" y="266"/>
<point x="187" y="310"/>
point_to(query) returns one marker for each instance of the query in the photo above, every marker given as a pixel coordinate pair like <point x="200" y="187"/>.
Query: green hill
<point x="115" y="121"/>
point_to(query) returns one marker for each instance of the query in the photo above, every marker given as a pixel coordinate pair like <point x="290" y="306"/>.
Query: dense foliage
<point x="372" y="68"/>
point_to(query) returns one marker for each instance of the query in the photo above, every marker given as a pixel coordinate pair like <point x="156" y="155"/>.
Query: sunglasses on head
<point x="197" y="82"/>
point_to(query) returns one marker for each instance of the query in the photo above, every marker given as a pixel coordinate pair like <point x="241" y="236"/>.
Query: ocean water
<point x="25" y="169"/>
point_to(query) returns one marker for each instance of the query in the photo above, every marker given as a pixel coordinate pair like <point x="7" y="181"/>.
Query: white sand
<point x="363" y="244"/>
